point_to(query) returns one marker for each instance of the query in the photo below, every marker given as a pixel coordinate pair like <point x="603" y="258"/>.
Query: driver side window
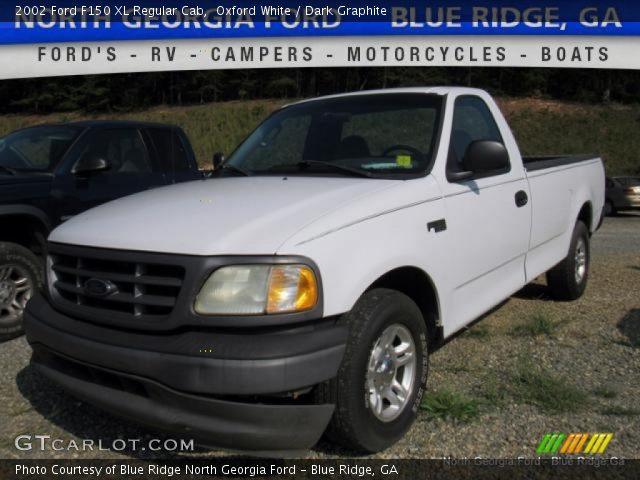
<point x="122" y="149"/>
<point x="472" y="121"/>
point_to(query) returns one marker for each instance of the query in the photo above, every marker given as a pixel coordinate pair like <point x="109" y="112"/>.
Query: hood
<point x="222" y="216"/>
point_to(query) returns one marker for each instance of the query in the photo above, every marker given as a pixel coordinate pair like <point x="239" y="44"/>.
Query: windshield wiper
<point x="336" y="166"/>
<point x="8" y="170"/>
<point x="231" y="167"/>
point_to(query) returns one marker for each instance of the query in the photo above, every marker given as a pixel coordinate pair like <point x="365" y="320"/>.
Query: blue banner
<point x="69" y="21"/>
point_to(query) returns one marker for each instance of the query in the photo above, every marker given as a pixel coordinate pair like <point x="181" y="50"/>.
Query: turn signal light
<point x="292" y="288"/>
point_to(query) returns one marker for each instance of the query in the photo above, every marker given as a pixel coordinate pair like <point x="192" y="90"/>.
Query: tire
<point x="609" y="209"/>
<point x="568" y="280"/>
<point x="20" y="276"/>
<point x="357" y="424"/>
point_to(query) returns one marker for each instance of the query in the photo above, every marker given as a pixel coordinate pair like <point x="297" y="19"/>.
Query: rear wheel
<point x="609" y="209"/>
<point x="20" y="276"/>
<point x="568" y="279"/>
<point x="383" y="374"/>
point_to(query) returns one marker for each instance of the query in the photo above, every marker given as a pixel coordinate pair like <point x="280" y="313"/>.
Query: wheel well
<point x="24" y="230"/>
<point x="586" y="215"/>
<point x="417" y="285"/>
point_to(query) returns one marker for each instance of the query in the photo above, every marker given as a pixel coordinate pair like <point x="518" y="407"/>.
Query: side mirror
<point x="90" y="164"/>
<point x="218" y="159"/>
<point x="484" y="156"/>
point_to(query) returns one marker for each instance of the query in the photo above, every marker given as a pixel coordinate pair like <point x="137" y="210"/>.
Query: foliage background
<point x="112" y="93"/>
<point x="552" y="111"/>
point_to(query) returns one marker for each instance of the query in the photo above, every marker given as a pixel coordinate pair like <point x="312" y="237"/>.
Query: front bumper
<point x="160" y="380"/>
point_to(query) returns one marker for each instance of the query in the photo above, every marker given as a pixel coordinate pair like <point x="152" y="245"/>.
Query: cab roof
<point x="442" y="91"/>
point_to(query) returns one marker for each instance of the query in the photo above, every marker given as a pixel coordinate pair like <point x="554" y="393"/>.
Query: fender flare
<point x="27" y="210"/>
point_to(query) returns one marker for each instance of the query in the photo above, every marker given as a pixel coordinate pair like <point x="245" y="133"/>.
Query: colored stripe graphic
<point x="598" y="443"/>
<point x="559" y="440"/>
<point x="578" y="448"/>
<point x="573" y="443"/>
<point x="568" y="444"/>
<point x="605" y="443"/>
<point x="543" y="444"/>
<point x="591" y="443"/>
<point x="551" y="443"/>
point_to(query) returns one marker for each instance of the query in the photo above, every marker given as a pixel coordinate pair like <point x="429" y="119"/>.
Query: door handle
<point x="437" y="225"/>
<point x="521" y="199"/>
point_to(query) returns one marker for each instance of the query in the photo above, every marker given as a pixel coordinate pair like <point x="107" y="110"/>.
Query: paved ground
<point x="590" y="349"/>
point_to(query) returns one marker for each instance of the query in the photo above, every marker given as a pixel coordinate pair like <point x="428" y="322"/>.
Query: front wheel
<point x="568" y="279"/>
<point x="383" y="374"/>
<point x="20" y="275"/>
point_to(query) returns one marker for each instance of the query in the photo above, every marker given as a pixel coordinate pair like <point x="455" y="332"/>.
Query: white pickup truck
<point x="300" y="290"/>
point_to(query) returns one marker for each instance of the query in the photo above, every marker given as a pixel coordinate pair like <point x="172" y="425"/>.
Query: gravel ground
<point x="592" y="347"/>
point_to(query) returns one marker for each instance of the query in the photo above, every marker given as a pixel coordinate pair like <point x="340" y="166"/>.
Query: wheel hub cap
<point x="15" y="291"/>
<point x="391" y="372"/>
<point x="580" y="261"/>
<point x="7" y="292"/>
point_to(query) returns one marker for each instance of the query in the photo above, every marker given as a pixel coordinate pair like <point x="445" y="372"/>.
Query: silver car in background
<point x="622" y="193"/>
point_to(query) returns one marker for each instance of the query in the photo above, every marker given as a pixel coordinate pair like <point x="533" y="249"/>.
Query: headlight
<point x="258" y="289"/>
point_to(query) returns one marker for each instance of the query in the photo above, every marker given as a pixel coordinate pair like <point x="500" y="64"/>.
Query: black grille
<point x="139" y="288"/>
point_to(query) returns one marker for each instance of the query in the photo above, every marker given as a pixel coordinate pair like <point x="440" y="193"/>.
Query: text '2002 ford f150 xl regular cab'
<point x="301" y="289"/>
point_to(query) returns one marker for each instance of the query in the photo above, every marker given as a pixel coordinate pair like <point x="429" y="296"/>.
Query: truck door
<point x="488" y="219"/>
<point x="130" y="169"/>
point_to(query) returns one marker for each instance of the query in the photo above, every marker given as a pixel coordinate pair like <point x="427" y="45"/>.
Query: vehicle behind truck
<point x="50" y="173"/>
<point x="300" y="290"/>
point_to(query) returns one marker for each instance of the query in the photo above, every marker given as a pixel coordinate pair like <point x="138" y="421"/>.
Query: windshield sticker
<point x="404" y="161"/>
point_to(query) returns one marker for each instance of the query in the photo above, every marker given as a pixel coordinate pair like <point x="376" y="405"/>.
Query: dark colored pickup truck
<point x="50" y="173"/>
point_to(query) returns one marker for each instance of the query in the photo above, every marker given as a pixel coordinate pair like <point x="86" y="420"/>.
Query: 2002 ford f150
<point x="300" y="290"/>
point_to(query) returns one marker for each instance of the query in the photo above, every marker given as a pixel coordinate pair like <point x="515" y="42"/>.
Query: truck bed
<point x="540" y="162"/>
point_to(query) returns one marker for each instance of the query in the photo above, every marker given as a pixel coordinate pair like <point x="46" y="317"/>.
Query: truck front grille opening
<point x="134" y="288"/>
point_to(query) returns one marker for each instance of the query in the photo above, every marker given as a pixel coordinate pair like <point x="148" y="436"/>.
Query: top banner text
<point x="72" y="21"/>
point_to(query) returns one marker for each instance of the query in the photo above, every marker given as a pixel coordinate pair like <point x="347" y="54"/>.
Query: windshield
<point x="382" y="135"/>
<point x="37" y="149"/>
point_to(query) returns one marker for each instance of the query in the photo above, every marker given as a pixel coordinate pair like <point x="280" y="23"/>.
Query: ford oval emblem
<point x="96" y="287"/>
